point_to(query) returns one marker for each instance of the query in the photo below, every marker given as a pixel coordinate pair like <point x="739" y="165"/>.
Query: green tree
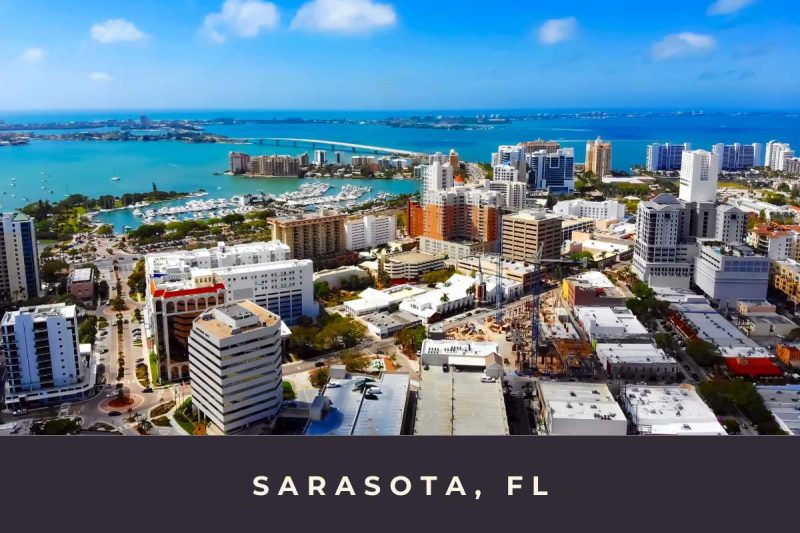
<point x="136" y="281"/>
<point x="54" y="271"/>
<point x="665" y="341"/>
<point x="704" y="353"/>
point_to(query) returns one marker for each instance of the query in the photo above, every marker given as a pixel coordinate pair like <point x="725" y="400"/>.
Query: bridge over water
<point x="335" y="145"/>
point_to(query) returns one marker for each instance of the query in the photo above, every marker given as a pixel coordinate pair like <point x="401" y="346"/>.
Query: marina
<point x="305" y="196"/>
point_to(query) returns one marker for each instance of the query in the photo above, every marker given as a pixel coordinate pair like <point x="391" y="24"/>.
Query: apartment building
<point x="736" y="157"/>
<point x="239" y="163"/>
<point x="524" y="233"/>
<point x="663" y="252"/>
<point x="785" y="278"/>
<point x="312" y="236"/>
<point x="235" y="357"/>
<point x="539" y="145"/>
<point x="370" y="231"/>
<point x="184" y="284"/>
<point x="42" y="356"/>
<point x="665" y="157"/>
<point x="436" y="177"/>
<point x="775" y="241"/>
<point x="275" y="166"/>
<point x="608" y="209"/>
<point x="19" y="258"/>
<point x="598" y="157"/>
<point x="514" y="193"/>
<point x="777" y="155"/>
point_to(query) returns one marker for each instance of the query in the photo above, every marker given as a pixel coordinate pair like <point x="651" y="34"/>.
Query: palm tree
<point x="444" y="299"/>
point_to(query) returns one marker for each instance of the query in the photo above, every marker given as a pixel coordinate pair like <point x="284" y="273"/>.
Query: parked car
<point x="114" y="413"/>
<point x="486" y="379"/>
<point x="147" y="389"/>
<point x="319" y="364"/>
<point x="20" y="412"/>
<point x="374" y="390"/>
<point x="333" y="385"/>
<point x="445" y="368"/>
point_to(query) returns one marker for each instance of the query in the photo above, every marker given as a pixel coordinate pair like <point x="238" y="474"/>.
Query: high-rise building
<point x="438" y="157"/>
<point x="734" y="157"/>
<point x="665" y="157"/>
<point x="436" y="177"/>
<point x="663" y="253"/>
<point x="524" y="233"/>
<point x="453" y="160"/>
<point x="313" y="235"/>
<point x="513" y="156"/>
<point x="598" y="157"/>
<point x="699" y="175"/>
<point x="514" y="193"/>
<point x="540" y="144"/>
<point x="339" y="157"/>
<point x="235" y="357"/>
<point x="183" y="284"/>
<point x="19" y="258"/>
<point x="609" y="209"/>
<point x="777" y="155"/>
<point x="461" y="214"/>
<point x="553" y="172"/>
<point x="320" y="158"/>
<point x="370" y="231"/>
<point x="239" y="163"/>
<point x="42" y="356"/>
<point x="508" y="173"/>
<point x="731" y="225"/>
<point x="275" y="165"/>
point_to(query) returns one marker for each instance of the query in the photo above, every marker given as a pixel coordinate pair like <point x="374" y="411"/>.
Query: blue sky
<point x="391" y="54"/>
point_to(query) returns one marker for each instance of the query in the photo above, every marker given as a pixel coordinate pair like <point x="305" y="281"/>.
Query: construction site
<point x="551" y="346"/>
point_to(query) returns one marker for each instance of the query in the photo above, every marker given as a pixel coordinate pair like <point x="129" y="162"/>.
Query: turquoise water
<point x="87" y="167"/>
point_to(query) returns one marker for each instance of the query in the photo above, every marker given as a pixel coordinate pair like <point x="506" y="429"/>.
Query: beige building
<point x="312" y="236"/>
<point x="598" y="157"/>
<point x="527" y="231"/>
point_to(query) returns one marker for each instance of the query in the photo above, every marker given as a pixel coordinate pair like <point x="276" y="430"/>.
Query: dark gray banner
<point x="634" y="483"/>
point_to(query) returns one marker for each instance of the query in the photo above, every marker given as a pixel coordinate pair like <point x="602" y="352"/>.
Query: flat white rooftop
<point x="631" y="354"/>
<point x="579" y="401"/>
<point x="670" y="410"/>
<point x="716" y="329"/>
<point x="784" y="402"/>
<point x="606" y="322"/>
<point x="459" y="348"/>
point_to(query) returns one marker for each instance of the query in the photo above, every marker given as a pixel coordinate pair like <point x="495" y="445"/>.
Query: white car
<point x="486" y="379"/>
<point x="374" y="390"/>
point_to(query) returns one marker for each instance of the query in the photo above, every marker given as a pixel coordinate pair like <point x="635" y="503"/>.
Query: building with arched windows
<point x="182" y="285"/>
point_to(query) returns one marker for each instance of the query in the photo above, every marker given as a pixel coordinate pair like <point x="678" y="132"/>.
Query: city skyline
<point x="379" y="54"/>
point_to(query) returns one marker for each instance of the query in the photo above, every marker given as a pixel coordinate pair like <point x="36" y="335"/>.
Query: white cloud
<point x="100" y="77"/>
<point x="116" y="30"/>
<point x="33" y="55"/>
<point x="727" y="7"/>
<point x="682" y="44"/>
<point x="245" y="18"/>
<point x="344" y="16"/>
<point x="557" y="30"/>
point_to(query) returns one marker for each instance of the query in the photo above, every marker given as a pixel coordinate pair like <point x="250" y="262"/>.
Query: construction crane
<point x="537" y="261"/>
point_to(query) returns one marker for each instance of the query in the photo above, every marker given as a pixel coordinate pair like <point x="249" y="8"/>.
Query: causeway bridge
<point x="335" y="146"/>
